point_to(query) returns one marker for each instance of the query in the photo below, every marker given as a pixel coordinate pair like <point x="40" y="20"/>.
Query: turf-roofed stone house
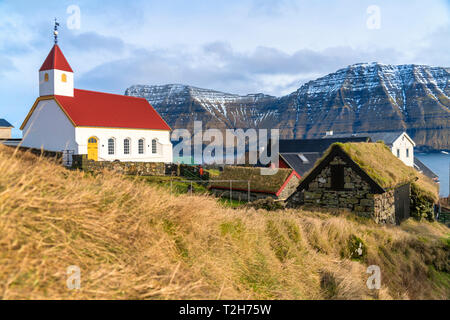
<point x="103" y="126"/>
<point x="363" y="177"/>
<point x="248" y="184"/>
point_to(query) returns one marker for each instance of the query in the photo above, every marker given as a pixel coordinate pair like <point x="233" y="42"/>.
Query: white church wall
<point x="49" y="128"/>
<point x="55" y="84"/>
<point x="164" y="153"/>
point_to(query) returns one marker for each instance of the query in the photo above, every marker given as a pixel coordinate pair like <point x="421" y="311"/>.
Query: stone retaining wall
<point x="128" y="168"/>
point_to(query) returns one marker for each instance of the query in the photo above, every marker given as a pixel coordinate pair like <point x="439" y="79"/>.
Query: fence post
<point x="231" y="192"/>
<point x="248" y="190"/>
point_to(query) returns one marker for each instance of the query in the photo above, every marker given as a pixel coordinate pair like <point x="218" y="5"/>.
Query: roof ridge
<point x="109" y="93"/>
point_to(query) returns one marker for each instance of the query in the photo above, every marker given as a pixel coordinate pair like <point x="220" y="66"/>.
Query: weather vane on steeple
<point x="55" y="33"/>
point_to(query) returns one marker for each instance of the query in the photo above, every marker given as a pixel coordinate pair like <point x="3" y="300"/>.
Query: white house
<point x="104" y="126"/>
<point x="400" y="143"/>
<point x="5" y="129"/>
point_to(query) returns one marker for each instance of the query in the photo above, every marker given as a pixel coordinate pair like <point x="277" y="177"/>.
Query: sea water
<point x="439" y="163"/>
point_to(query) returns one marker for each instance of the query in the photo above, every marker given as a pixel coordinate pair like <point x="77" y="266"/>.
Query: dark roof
<point x="4" y="123"/>
<point x="301" y="162"/>
<point x="388" y="137"/>
<point x="314" y="145"/>
<point x="421" y="167"/>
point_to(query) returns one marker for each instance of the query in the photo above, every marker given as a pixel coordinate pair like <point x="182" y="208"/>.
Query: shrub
<point x="422" y="204"/>
<point x="356" y="248"/>
<point x="268" y="204"/>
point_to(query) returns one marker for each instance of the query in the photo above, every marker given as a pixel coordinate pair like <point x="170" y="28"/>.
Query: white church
<point x="106" y="127"/>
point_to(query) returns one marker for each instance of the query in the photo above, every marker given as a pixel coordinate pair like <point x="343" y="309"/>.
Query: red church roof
<point x="98" y="109"/>
<point x="56" y="60"/>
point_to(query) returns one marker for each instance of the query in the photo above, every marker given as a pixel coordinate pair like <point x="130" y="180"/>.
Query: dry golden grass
<point x="135" y="241"/>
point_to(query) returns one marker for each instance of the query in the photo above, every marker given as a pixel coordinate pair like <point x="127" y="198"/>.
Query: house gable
<point x="36" y="103"/>
<point x="49" y="127"/>
<point x="336" y="151"/>
<point x="405" y="135"/>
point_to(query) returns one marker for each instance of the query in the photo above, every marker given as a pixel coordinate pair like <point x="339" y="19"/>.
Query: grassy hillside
<point x="135" y="241"/>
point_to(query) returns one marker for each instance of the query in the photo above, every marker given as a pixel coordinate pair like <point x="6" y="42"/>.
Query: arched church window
<point x="141" y="146"/>
<point x="64" y="77"/>
<point x="126" y="146"/>
<point x="111" y="146"/>
<point x="154" y="146"/>
<point x="46" y="77"/>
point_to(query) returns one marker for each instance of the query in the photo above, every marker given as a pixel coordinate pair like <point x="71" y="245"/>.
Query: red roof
<point x="98" y="109"/>
<point x="56" y="60"/>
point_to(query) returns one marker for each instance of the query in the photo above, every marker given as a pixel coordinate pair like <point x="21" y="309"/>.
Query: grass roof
<point x="258" y="182"/>
<point x="377" y="160"/>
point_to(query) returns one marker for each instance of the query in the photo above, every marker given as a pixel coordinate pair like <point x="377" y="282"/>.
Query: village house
<point x="247" y="184"/>
<point x="5" y="129"/>
<point x="103" y="126"/>
<point x="364" y="178"/>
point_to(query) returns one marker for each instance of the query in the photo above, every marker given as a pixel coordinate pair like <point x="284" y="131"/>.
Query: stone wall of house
<point x="384" y="207"/>
<point x="289" y="188"/>
<point x="357" y="195"/>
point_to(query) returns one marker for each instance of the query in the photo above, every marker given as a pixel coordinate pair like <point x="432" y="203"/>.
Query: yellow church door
<point x="93" y="149"/>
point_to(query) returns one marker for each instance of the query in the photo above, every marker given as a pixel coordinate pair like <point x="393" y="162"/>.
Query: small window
<point x="46" y="77"/>
<point x="92" y="140"/>
<point x="111" y="146"/>
<point x="407" y="153"/>
<point x="337" y="177"/>
<point x="64" y="77"/>
<point x="126" y="146"/>
<point x="398" y="153"/>
<point x="154" y="146"/>
<point x="141" y="146"/>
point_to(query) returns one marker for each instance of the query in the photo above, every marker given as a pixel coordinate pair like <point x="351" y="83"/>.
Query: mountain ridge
<point x="363" y="97"/>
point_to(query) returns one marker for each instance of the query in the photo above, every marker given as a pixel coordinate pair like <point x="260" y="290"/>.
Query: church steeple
<point x="56" y="75"/>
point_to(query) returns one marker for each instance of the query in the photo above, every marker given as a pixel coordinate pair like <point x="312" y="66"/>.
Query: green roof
<point x="377" y="160"/>
<point x="258" y="182"/>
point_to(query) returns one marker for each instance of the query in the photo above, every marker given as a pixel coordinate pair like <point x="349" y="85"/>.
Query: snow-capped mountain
<point x="180" y="105"/>
<point x="359" y="98"/>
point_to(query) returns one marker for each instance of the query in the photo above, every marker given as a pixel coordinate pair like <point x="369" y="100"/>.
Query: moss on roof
<point x="258" y="182"/>
<point x="377" y="160"/>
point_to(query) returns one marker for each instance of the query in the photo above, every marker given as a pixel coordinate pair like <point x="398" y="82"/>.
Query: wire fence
<point x="191" y="186"/>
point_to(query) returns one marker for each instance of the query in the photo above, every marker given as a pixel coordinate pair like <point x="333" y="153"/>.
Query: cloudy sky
<point x="238" y="46"/>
